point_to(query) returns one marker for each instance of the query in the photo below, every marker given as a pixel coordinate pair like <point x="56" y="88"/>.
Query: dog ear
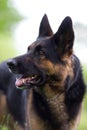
<point x="64" y="37"/>
<point x="45" y="29"/>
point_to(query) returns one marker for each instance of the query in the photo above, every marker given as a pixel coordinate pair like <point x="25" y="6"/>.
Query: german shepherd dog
<point x="52" y="76"/>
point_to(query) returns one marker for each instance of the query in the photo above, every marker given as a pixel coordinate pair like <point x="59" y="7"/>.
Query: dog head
<point x="49" y="59"/>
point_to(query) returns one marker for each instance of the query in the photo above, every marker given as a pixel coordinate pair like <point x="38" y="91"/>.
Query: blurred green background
<point x="9" y="18"/>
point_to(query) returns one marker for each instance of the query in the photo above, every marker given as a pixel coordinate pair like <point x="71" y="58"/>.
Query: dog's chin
<point x="30" y="81"/>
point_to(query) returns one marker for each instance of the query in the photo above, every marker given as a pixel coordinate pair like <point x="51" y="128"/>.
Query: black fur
<point x="15" y="97"/>
<point x="76" y="90"/>
<point x="44" y="111"/>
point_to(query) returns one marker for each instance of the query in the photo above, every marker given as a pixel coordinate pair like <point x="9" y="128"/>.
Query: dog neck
<point x="47" y="114"/>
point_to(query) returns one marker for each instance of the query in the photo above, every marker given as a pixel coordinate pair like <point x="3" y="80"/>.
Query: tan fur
<point x="34" y="121"/>
<point x="58" y="109"/>
<point x="61" y="71"/>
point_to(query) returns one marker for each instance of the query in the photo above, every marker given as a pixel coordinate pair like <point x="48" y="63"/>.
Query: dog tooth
<point x="32" y="77"/>
<point x="23" y="81"/>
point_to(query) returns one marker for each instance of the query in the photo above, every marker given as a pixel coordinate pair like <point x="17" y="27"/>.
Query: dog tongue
<point x="23" y="81"/>
<point x="19" y="82"/>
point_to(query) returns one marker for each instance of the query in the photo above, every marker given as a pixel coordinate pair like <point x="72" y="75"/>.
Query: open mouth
<point x="28" y="82"/>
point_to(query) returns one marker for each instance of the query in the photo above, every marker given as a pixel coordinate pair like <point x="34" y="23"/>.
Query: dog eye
<point x="40" y="50"/>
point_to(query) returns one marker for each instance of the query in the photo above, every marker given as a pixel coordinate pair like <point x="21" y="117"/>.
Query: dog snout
<point x="12" y="64"/>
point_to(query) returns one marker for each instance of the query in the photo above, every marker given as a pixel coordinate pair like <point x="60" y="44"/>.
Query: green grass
<point x="83" y="121"/>
<point x="3" y="128"/>
<point x="85" y="73"/>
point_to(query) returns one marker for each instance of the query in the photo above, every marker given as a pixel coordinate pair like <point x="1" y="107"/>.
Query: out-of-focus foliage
<point x="7" y="47"/>
<point x="8" y="16"/>
<point x="84" y="68"/>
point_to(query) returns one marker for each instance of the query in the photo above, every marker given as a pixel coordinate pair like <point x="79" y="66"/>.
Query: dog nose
<point x="12" y="64"/>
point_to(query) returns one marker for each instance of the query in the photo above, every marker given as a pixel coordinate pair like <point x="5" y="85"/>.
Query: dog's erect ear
<point x="45" y="29"/>
<point x="64" y="37"/>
